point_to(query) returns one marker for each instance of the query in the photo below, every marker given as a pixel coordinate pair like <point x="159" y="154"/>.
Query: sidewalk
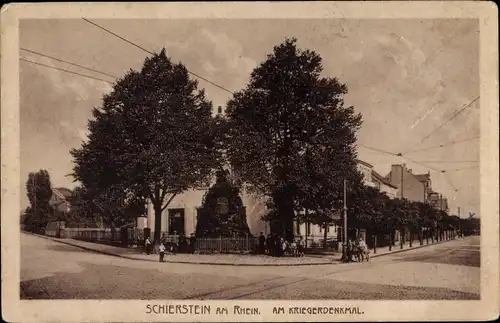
<point x="229" y="259"/>
<point x="199" y="259"/>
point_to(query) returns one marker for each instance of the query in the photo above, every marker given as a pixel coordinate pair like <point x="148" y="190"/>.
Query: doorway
<point x="176" y="221"/>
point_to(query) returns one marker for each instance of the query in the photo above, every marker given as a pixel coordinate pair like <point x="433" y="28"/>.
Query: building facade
<point x="181" y="214"/>
<point x="60" y="199"/>
<point x="415" y="187"/>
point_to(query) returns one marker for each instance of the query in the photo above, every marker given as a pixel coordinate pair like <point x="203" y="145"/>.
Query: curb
<point x="180" y="262"/>
<point x="408" y="249"/>
<point x="228" y="264"/>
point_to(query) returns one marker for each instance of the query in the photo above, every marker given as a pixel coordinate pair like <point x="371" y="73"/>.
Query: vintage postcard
<point x="258" y="161"/>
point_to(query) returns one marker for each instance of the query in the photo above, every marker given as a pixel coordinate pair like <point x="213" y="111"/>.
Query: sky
<point x="406" y="77"/>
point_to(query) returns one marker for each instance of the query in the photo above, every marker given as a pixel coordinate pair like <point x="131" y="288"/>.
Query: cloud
<point x="220" y="58"/>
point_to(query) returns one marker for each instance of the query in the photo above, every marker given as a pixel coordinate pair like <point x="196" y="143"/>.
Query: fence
<point x="218" y="244"/>
<point x="135" y="237"/>
<point x="116" y="236"/>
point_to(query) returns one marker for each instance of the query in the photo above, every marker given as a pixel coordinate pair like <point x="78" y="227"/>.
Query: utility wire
<point x="452" y="117"/>
<point x="380" y="150"/>
<point x="400" y="155"/>
<point x="459" y="169"/>
<point x="442" y="145"/>
<point x="421" y="164"/>
<point x="65" y="70"/>
<point x="448" y="161"/>
<point x="67" y="62"/>
<point x="150" y="52"/>
<point x="449" y="182"/>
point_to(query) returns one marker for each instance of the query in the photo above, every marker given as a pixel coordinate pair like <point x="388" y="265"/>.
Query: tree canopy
<point x="39" y="191"/>
<point x="290" y="137"/>
<point x="151" y="138"/>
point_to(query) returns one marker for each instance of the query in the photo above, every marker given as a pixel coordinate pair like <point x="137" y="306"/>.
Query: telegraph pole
<point x="344" y="242"/>
<point x="402" y="182"/>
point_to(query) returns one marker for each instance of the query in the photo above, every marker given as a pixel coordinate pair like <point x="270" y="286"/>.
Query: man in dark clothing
<point x="269" y="243"/>
<point x="262" y="243"/>
<point x="192" y="242"/>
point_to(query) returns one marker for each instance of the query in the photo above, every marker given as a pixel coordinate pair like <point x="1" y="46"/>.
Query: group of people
<point x="277" y="246"/>
<point x="357" y="250"/>
<point x="180" y="244"/>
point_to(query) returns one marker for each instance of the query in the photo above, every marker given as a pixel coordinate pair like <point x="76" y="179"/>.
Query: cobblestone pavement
<point x="51" y="270"/>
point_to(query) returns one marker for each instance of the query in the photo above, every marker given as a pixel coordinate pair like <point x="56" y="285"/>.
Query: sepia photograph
<point x="302" y="159"/>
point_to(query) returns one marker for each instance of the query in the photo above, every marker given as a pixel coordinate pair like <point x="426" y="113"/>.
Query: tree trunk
<point x="325" y="235"/>
<point x="375" y="243"/>
<point x="286" y="214"/>
<point x="411" y="238"/>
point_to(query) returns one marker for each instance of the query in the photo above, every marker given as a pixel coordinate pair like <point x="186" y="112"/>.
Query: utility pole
<point x="402" y="181"/>
<point x="344" y="240"/>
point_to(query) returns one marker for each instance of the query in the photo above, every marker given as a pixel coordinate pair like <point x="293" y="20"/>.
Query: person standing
<point x="192" y="242"/>
<point x="147" y="246"/>
<point x="301" y="246"/>
<point x="262" y="243"/>
<point x="162" y="252"/>
<point x="269" y="244"/>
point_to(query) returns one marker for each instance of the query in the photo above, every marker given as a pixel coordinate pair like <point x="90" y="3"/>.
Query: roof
<point x="364" y="163"/>
<point x="422" y="177"/>
<point x="382" y="179"/>
<point x="62" y="192"/>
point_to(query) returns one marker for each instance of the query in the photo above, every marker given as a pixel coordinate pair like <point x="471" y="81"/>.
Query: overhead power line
<point x="150" y="52"/>
<point x="451" y="118"/>
<point x="400" y="155"/>
<point x="65" y="70"/>
<point x="380" y="150"/>
<point x="421" y="164"/>
<point x="442" y="145"/>
<point x="67" y="62"/>
<point x="449" y="182"/>
<point x="459" y="169"/>
<point x="448" y="161"/>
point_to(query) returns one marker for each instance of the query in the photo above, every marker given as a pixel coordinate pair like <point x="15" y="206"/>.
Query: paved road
<point x="51" y="270"/>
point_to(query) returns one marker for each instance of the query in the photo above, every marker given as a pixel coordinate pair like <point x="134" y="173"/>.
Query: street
<point x="448" y="271"/>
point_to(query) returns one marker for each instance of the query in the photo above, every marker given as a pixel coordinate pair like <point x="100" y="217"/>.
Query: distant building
<point x="374" y="179"/>
<point x="415" y="187"/>
<point x="60" y="199"/>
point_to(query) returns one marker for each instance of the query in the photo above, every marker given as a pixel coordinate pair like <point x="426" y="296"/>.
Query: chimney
<point x="219" y="109"/>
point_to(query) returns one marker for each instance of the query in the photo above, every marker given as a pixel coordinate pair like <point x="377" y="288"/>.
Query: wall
<point x="390" y="191"/>
<point x="192" y="199"/>
<point x="59" y="202"/>
<point x="413" y="189"/>
<point x="366" y="171"/>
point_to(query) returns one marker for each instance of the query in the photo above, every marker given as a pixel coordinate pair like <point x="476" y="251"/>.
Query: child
<point x="301" y="247"/>
<point x="162" y="252"/>
<point x="293" y="248"/>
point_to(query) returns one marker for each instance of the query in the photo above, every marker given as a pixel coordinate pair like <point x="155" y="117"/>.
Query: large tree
<point x="39" y="191"/>
<point x="290" y="135"/>
<point x="152" y="136"/>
